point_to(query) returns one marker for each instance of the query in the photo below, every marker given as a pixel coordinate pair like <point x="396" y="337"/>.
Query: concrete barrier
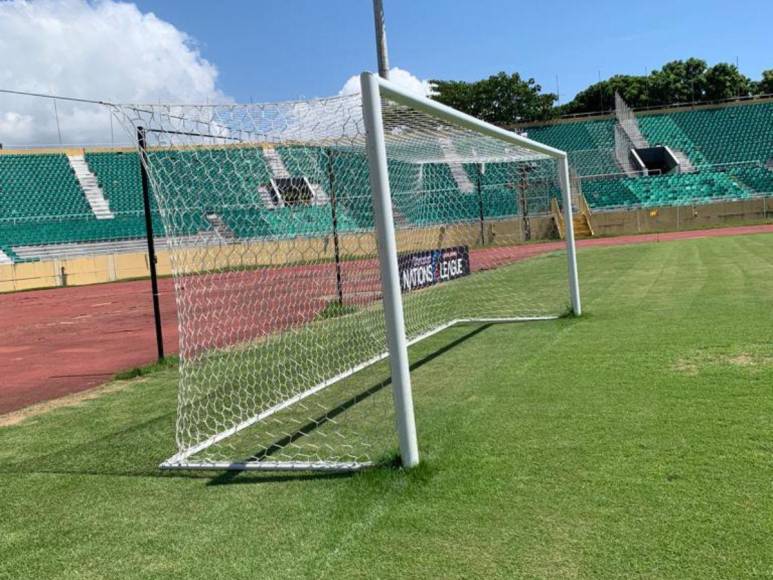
<point x="127" y="266"/>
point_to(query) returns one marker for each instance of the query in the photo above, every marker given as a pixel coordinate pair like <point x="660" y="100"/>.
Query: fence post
<point x="141" y="144"/>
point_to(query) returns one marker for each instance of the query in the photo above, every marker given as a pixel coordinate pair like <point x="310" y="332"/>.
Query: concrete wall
<point x="690" y="217"/>
<point x="113" y="267"/>
<point x="78" y="271"/>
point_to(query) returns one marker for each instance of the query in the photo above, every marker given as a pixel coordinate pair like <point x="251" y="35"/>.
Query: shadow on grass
<point x="139" y="445"/>
<point x="314" y="424"/>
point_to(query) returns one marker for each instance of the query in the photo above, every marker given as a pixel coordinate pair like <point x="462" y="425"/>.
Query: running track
<point x="60" y="341"/>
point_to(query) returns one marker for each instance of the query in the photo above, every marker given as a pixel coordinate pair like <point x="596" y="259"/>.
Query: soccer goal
<point x="313" y="242"/>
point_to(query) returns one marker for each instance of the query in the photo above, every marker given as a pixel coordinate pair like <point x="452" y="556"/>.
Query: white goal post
<point x="311" y="240"/>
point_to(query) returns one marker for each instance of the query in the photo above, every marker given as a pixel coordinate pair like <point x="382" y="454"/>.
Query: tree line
<point x="506" y="99"/>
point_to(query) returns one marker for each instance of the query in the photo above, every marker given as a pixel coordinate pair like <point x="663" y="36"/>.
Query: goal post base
<point x="266" y="466"/>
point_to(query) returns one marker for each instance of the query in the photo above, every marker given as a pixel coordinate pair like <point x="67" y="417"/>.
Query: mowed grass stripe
<point x="633" y="441"/>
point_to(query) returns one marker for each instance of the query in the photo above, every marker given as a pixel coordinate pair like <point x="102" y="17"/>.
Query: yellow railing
<point x="585" y="210"/>
<point x="558" y="217"/>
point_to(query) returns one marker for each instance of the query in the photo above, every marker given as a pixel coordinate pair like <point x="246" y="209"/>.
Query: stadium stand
<point x="34" y="186"/>
<point x="662" y="130"/>
<point x="576" y="136"/>
<point x="755" y="177"/>
<point x="590" y="144"/>
<point x="663" y="190"/>
<point x="709" y="140"/>
<point x="727" y="134"/>
<point x="118" y="174"/>
<point x="44" y="203"/>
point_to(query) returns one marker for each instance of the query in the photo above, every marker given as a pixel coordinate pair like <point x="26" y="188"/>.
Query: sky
<point x="268" y="50"/>
<point x="255" y="43"/>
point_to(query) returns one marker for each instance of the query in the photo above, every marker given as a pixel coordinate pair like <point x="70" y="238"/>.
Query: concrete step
<point x="463" y="181"/>
<point x="275" y="163"/>
<point x="581" y="227"/>
<point x="685" y="165"/>
<point x="266" y="197"/>
<point x="90" y="186"/>
<point x="320" y="195"/>
<point x="220" y="227"/>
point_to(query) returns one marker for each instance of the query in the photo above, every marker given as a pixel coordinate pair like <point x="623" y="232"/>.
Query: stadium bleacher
<point x="34" y="186"/>
<point x="590" y="144"/>
<point x="118" y="174"/>
<point x="711" y="138"/>
<point x="755" y="177"/>
<point x="664" y="190"/>
<point x="42" y="203"/>
<point x="733" y="134"/>
<point x="576" y="136"/>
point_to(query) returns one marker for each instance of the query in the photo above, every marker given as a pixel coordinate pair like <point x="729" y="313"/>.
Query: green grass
<point x="636" y="440"/>
<point x="334" y="309"/>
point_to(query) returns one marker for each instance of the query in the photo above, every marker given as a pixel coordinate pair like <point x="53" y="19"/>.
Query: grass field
<point x="634" y="441"/>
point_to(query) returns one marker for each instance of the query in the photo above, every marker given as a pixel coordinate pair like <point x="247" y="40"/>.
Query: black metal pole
<point x="521" y="187"/>
<point x="334" y="210"/>
<point x="151" y="245"/>
<point x="480" y="205"/>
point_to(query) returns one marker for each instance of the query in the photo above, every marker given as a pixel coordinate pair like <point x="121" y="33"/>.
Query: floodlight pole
<point x="381" y="41"/>
<point x="141" y="143"/>
<point x="481" y="169"/>
<point x="390" y="273"/>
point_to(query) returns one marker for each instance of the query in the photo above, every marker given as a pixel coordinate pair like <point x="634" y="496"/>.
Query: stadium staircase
<point x="90" y="185"/>
<point x="582" y="228"/>
<point x="305" y="162"/>
<point x="685" y="165"/>
<point x="266" y="198"/>
<point x="581" y="220"/>
<point x="460" y="176"/>
<point x="220" y="228"/>
<point x="627" y="121"/>
<point x="275" y="163"/>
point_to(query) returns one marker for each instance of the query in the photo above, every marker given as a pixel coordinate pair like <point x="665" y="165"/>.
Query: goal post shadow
<point x="267" y="451"/>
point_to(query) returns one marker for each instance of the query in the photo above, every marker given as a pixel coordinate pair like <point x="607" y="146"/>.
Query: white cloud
<point x="103" y="50"/>
<point x="398" y="76"/>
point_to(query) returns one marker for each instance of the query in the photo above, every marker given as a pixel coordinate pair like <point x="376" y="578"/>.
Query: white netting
<point x="268" y="214"/>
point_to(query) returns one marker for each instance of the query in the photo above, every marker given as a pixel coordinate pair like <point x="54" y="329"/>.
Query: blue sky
<point x="270" y="50"/>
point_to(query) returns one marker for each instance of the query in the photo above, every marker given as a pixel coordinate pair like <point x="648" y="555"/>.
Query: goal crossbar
<point x="446" y="113"/>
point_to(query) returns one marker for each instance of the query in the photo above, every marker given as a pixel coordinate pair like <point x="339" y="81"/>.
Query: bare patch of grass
<point x="757" y="358"/>
<point x="73" y="400"/>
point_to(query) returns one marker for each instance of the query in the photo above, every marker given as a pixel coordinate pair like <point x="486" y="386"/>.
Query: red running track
<point x="61" y="341"/>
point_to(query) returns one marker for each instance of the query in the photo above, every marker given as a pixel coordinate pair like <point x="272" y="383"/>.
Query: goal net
<point x="279" y="251"/>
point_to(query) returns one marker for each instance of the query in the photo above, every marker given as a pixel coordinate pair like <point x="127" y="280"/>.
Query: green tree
<point x="601" y="96"/>
<point x="679" y="81"/>
<point x="506" y="99"/>
<point x="765" y="86"/>
<point x="501" y="98"/>
<point x="724" y="81"/>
